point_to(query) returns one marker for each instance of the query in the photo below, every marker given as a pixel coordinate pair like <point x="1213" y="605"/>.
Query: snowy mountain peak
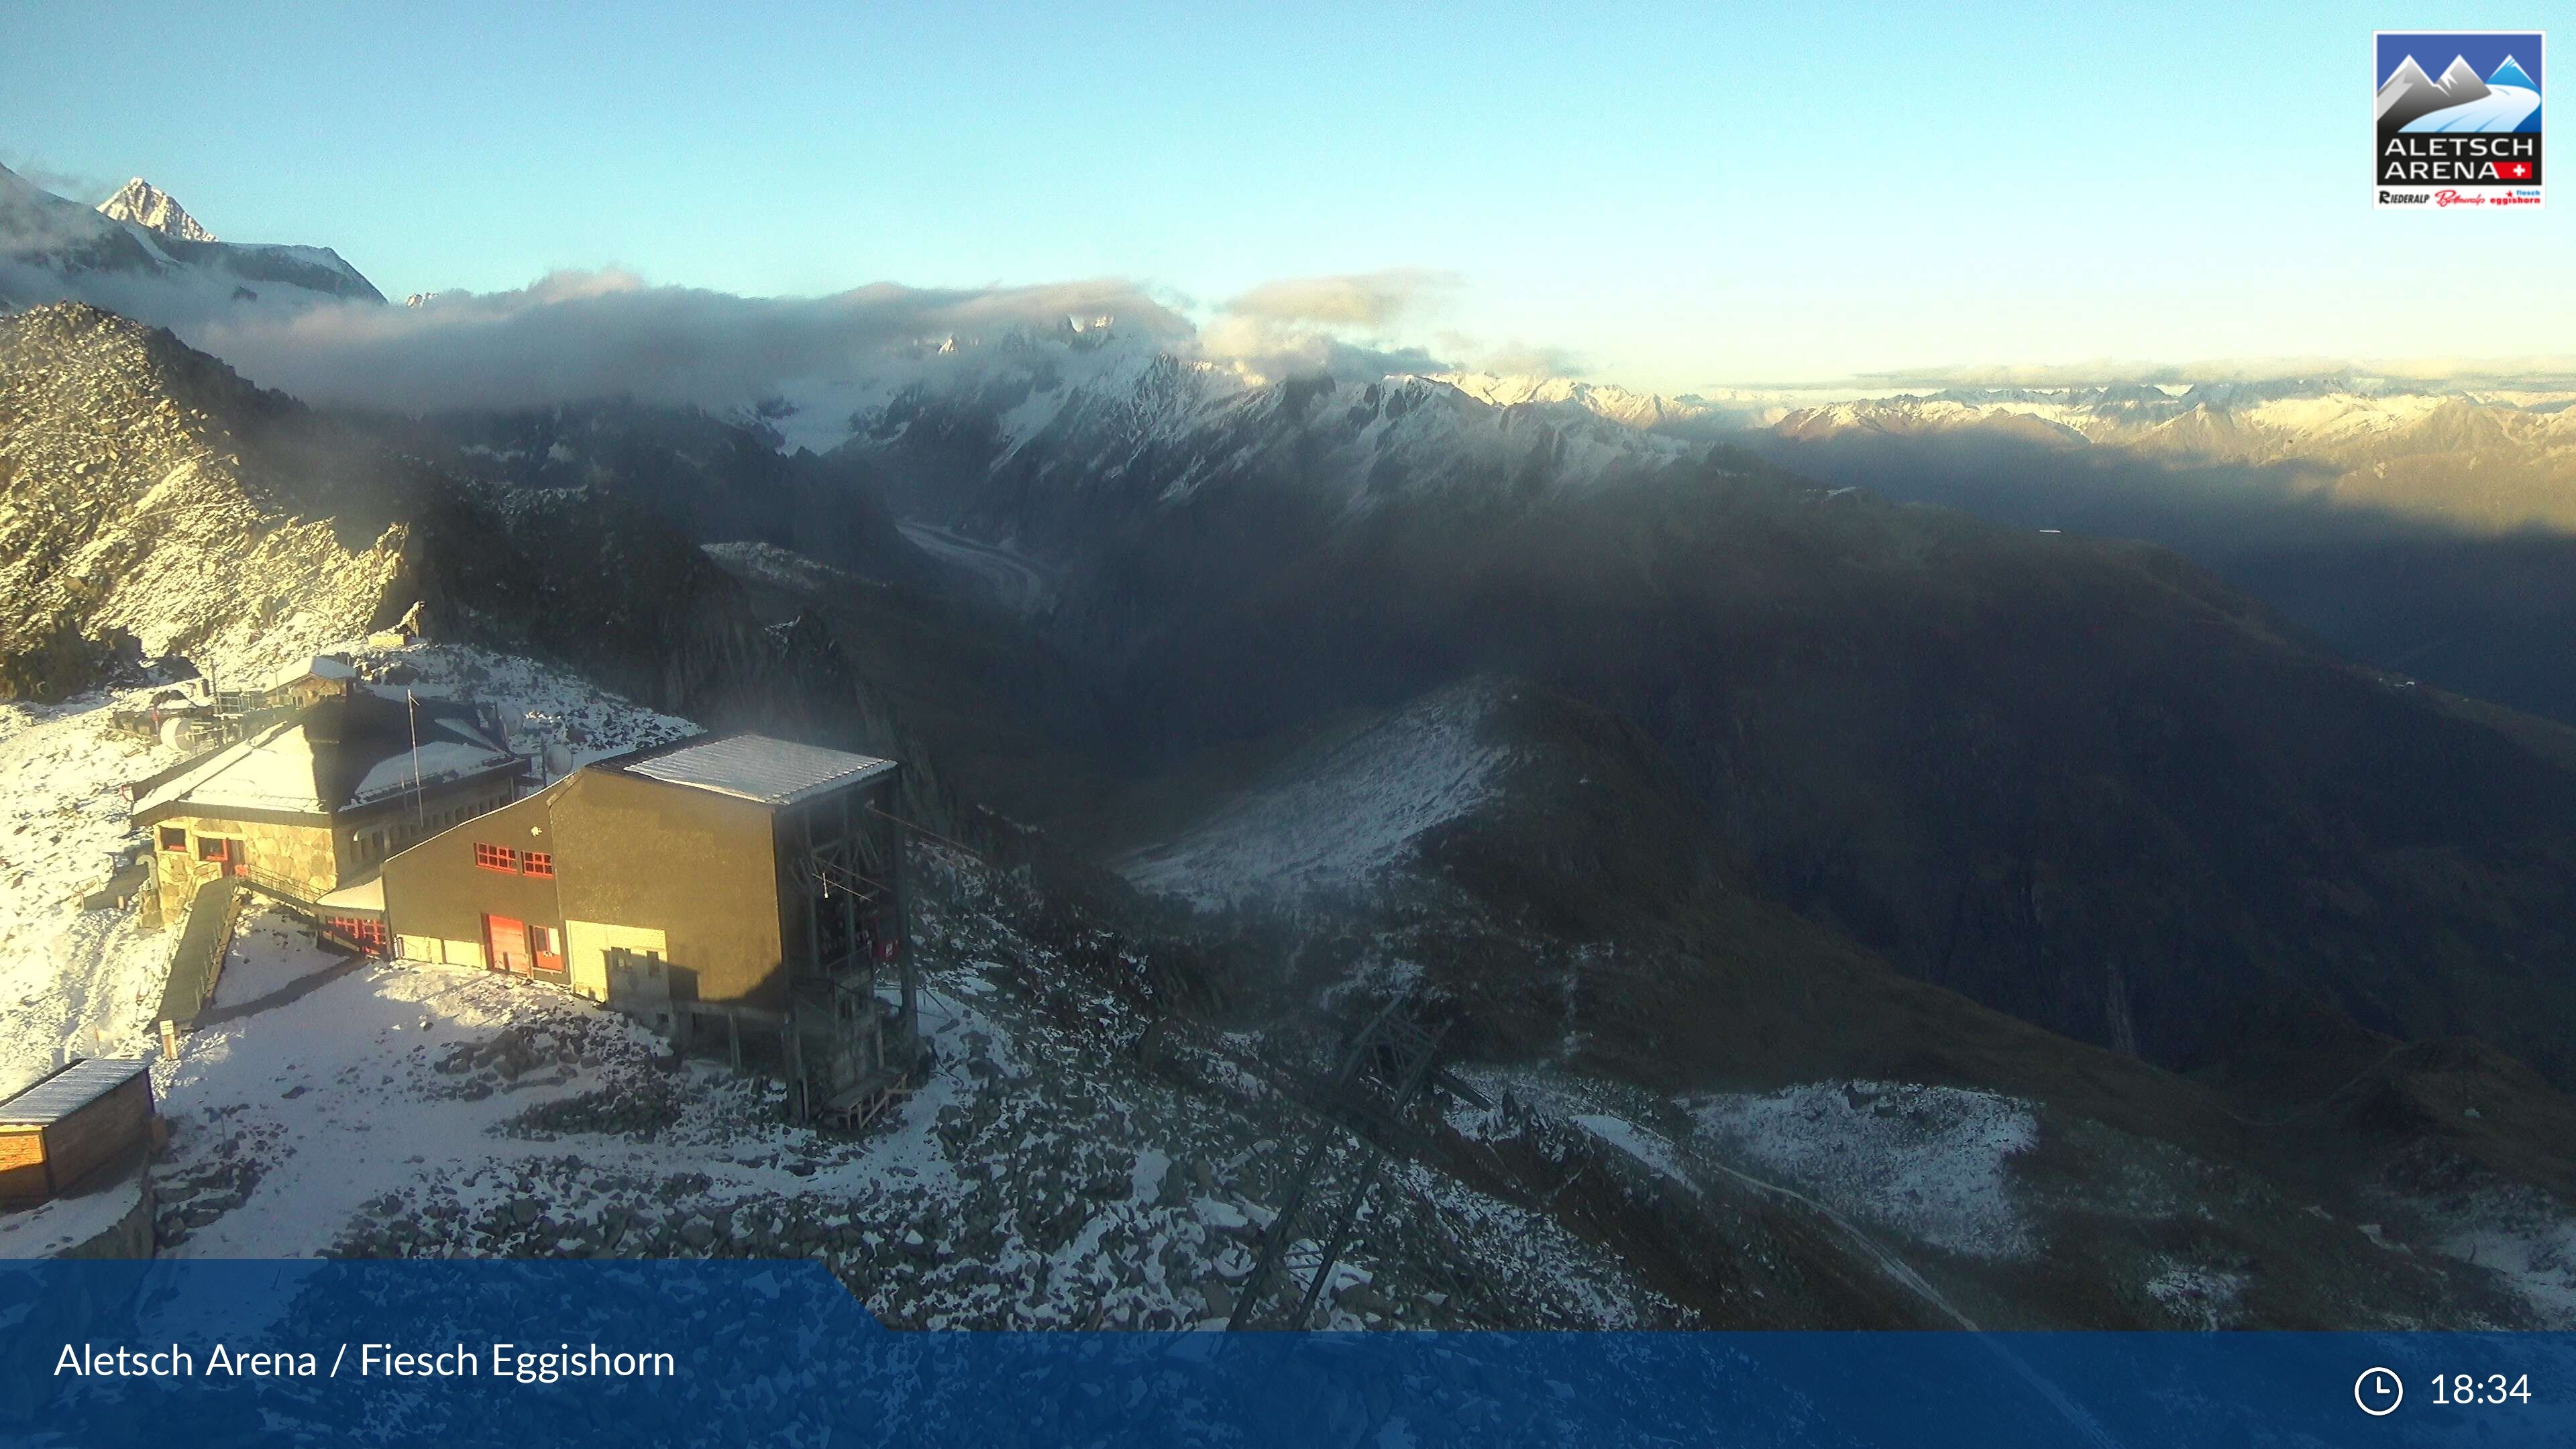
<point x="2512" y="74"/>
<point x="1605" y="400"/>
<point x="2408" y="72"/>
<point x="146" y="205"/>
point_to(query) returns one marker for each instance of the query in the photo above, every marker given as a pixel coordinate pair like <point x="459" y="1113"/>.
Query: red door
<point x="507" y="942"/>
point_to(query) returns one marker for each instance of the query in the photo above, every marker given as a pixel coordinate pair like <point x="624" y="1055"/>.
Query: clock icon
<point x="2379" y="1391"/>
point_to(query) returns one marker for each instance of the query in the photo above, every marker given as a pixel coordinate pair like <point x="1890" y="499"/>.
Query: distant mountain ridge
<point x="55" y="250"/>
<point x="2352" y="443"/>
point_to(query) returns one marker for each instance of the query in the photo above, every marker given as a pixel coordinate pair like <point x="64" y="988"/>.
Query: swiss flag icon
<point x="2514" y="170"/>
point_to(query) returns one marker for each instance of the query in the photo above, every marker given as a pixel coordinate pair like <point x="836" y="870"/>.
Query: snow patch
<point x="1635" y="1141"/>
<point x="65" y="1223"/>
<point x="76" y="981"/>
<point x="2522" y="1236"/>
<point x="2206" y="1298"/>
<point x="271" y="951"/>
<point x="1928" y="1162"/>
<point x="1334" y="823"/>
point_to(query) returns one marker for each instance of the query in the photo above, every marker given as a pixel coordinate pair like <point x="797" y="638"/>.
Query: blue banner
<point x="107" y="1355"/>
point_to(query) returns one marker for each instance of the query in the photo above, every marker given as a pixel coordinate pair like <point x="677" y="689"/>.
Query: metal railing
<point x="296" y="896"/>
<point x="197" y="958"/>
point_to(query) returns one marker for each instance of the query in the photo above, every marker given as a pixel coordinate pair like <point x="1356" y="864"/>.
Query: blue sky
<point x="1672" y="196"/>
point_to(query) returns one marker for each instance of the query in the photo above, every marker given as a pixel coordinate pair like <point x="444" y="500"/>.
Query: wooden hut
<point x="86" y="1116"/>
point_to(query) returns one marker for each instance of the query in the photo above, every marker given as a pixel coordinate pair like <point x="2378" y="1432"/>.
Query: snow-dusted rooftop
<point x="66" y="1092"/>
<point x="272" y="770"/>
<point x="365" y="895"/>
<point x="338" y="755"/>
<point x="758" y="768"/>
<point x="319" y="666"/>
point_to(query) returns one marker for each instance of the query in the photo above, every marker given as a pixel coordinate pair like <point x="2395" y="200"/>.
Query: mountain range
<point x="1652" y="752"/>
<point x="140" y="247"/>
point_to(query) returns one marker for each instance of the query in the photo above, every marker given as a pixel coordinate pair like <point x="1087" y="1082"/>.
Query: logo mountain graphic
<point x="2460" y="101"/>
<point x="2401" y="89"/>
<point x="2510" y="74"/>
<point x="2409" y="95"/>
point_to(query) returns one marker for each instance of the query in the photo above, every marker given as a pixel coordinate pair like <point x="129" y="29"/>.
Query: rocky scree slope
<point x="141" y="492"/>
<point x="147" y="490"/>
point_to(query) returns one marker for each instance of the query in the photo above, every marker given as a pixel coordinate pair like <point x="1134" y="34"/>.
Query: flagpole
<point x="411" y="710"/>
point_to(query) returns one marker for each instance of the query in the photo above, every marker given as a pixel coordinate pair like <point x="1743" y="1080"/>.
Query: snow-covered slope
<point x="2240" y="419"/>
<point x="70" y="979"/>
<point x="129" y="505"/>
<point x="1333" y="821"/>
<point x="142" y="252"/>
<point x="1047" y="449"/>
<point x="1930" y="1163"/>
<point x="1037" y="1179"/>
<point x="148" y="206"/>
<point x="2491" y="459"/>
<point x="86" y="982"/>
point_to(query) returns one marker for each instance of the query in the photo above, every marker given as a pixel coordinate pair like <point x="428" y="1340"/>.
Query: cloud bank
<point x="1375" y="300"/>
<point x="575" y="335"/>
<point x="2503" y="372"/>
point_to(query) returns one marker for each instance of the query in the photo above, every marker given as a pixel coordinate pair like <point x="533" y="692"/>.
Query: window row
<point x="174" y="838"/>
<point x="508" y="861"/>
<point x="366" y="932"/>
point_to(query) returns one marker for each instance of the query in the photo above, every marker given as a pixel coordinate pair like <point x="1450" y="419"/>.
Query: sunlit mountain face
<point x="1827" y="827"/>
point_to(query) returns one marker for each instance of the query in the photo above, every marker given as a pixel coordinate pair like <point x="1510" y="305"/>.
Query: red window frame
<point x="214" y="848"/>
<point x="496" y="857"/>
<point x="175" y="837"/>
<point x="370" y="933"/>
<point x="539" y="863"/>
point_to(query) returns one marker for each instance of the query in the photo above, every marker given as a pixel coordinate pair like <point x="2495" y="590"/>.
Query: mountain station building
<point x="307" y="808"/>
<point x="735" y="887"/>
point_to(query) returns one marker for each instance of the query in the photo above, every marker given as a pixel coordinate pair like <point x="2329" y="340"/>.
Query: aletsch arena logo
<point x="2466" y="135"/>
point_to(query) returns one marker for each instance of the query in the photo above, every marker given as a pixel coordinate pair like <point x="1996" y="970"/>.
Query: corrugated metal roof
<point x="67" y="1091"/>
<point x="758" y="768"/>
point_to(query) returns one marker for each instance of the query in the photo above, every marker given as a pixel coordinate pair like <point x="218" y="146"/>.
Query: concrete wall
<point x="438" y="952"/>
<point x="688" y="875"/>
<point x="643" y="857"/>
<point x="589" y="943"/>
<point x="436" y="896"/>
